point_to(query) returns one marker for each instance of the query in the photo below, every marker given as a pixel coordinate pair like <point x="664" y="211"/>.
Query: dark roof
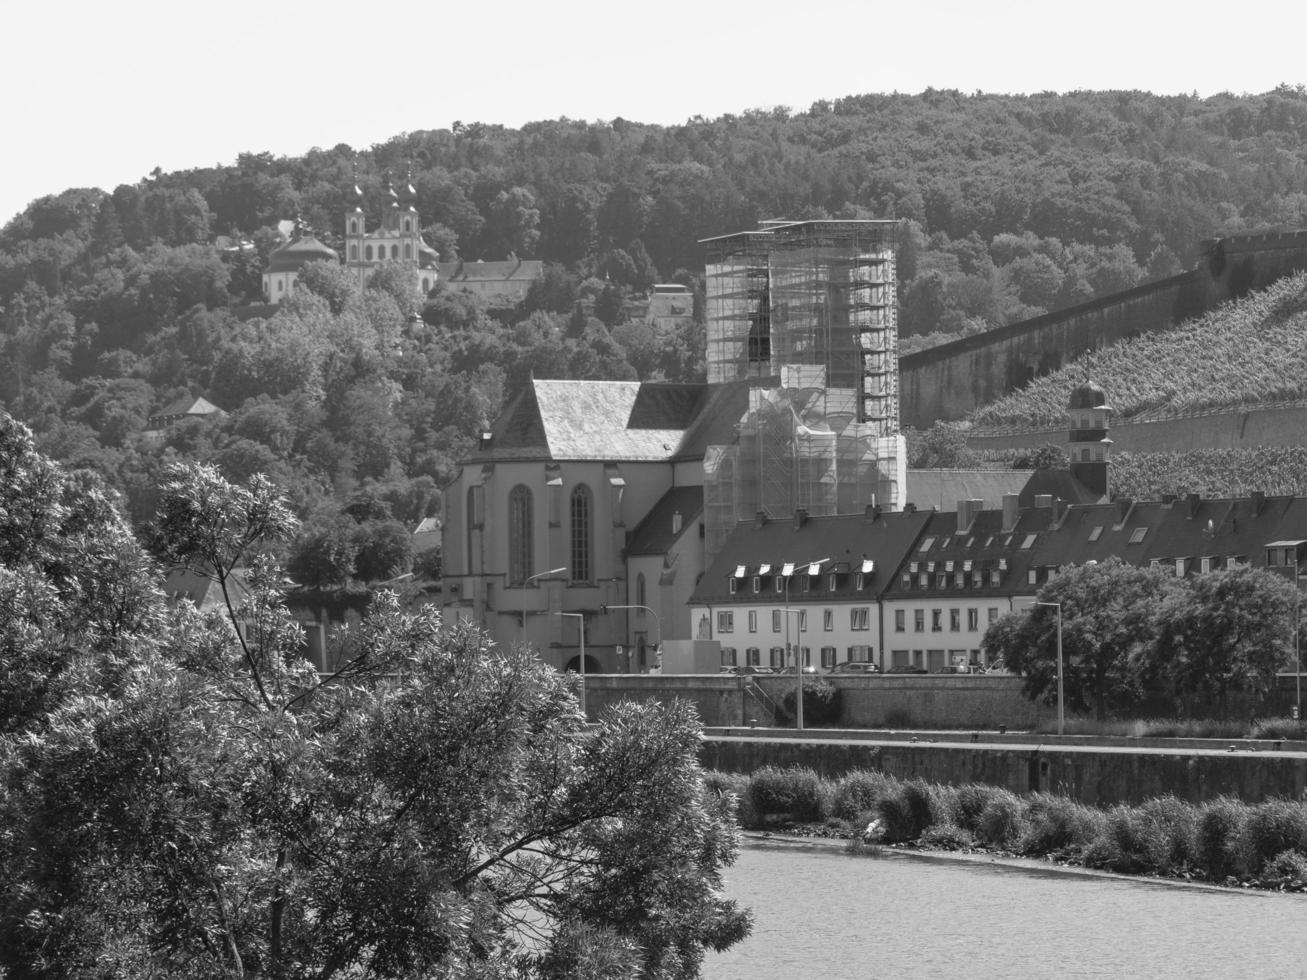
<point x="293" y="256"/>
<point x="654" y="534"/>
<point x="1056" y="483"/>
<point x="721" y="406"/>
<point x="1088" y="395"/>
<point x="943" y="489"/>
<point x="943" y="550"/>
<point x="847" y="540"/>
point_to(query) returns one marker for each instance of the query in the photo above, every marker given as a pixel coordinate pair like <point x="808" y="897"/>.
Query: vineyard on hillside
<point x="1250" y="351"/>
<point x="1274" y="470"/>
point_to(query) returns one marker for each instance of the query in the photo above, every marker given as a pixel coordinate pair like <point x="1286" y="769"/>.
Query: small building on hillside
<point x="671" y="307"/>
<point x="186" y="407"/>
<point x="496" y="284"/>
<point x="285" y="263"/>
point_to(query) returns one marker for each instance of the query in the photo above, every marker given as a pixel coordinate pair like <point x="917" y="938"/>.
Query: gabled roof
<point x="1058" y="484"/>
<point x="943" y="489"/>
<point x="847" y="540"/>
<point x="654" y="535"/>
<point x="203" y="591"/>
<point x="188" y="405"/>
<point x="941" y="552"/>
<point x="510" y="271"/>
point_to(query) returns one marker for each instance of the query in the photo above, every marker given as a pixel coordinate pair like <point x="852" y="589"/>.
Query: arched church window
<point x="367" y="253"/>
<point x="408" y="250"/>
<point x="582" y="514"/>
<point x="639" y="590"/>
<point x="519" y="534"/>
<point x="408" y="224"/>
<point x="353" y="253"/>
<point x="394" y="251"/>
<point x="353" y="227"/>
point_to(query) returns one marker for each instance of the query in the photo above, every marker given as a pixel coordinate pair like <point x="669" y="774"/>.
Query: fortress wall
<point x="948" y="381"/>
<point x="1271" y="425"/>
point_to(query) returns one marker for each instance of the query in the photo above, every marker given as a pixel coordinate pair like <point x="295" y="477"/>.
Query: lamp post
<point x="527" y="581"/>
<point x="1061" y="713"/>
<point x="658" y="624"/>
<point x="581" y="627"/>
<point x="798" y="667"/>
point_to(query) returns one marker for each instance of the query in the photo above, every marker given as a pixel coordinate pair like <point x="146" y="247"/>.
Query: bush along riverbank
<point x="1224" y="840"/>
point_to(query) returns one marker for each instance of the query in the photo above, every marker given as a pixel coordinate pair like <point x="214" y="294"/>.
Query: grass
<point x="1223" y="840"/>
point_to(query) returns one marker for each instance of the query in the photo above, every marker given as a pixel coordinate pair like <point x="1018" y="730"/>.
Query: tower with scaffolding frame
<point x="806" y="312"/>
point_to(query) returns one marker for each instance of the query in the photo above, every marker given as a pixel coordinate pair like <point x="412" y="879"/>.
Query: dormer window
<point x="861" y="581"/>
<point x="731" y="583"/>
<point x="1137" y="535"/>
<point x="757" y="584"/>
<point x="1029" y="542"/>
<point x="780" y="583"/>
<point x="926" y="544"/>
<point x="833" y="582"/>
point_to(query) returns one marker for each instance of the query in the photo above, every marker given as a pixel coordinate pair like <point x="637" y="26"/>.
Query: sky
<point x="98" y="94"/>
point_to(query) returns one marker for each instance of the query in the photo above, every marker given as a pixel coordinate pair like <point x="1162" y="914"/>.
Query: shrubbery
<point x="1265" y="843"/>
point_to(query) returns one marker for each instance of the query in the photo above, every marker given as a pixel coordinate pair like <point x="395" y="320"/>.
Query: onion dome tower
<point x="1088" y="445"/>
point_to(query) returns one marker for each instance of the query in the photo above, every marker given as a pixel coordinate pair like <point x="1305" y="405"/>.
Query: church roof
<point x="293" y="256"/>
<point x="654" y="534"/>
<point x="592" y="420"/>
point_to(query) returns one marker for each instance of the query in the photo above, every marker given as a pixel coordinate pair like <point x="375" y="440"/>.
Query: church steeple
<point x="1088" y="445"/>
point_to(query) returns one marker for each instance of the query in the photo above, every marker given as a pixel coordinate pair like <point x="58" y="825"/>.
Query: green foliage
<point x="858" y="793"/>
<point x="1002" y="822"/>
<point x="1270" y="829"/>
<point x="1055" y="825"/>
<point x="792" y="793"/>
<point x="184" y="795"/>
<point x="1220" y="830"/>
<point x="906" y="813"/>
<point x="821" y="702"/>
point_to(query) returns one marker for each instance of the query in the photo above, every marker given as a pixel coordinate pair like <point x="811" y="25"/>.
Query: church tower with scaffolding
<point x="805" y="312"/>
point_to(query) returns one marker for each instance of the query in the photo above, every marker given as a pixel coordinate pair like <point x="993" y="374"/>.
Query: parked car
<point x="906" y="669"/>
<point x="959" y="669"/>
<point x="856" y="667"/>
<point x="755" y="669"/>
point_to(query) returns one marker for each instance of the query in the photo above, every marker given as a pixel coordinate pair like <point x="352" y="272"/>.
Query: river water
<point x="824" y="914"/>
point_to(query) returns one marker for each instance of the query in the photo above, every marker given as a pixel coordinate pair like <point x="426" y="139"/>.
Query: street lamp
<point x="581" y="625"/>
<point x="527" y="581"/>
<point x="1061" y="713"/>
<point x="798" y="667"/>
<point x="658" y="623"/>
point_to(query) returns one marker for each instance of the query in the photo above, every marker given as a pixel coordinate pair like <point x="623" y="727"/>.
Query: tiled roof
<point x="720" y="409"/>
<point x="941" y="552"/>
<point x="1059" y="484"/>
<point x="591" y="420"/>
<point x="942" y="489"/>
<point x="847" y="540"/>
<point x="654" y="534"/>
<point x="513" y="270"/>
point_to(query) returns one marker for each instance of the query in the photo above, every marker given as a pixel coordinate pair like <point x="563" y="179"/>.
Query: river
<point x="825" y="914"/>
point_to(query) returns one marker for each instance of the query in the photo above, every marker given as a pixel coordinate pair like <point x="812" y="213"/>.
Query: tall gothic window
<point x="367" y="253"/>
<point x="582" y="533"/>
<point x="519" y="534"/>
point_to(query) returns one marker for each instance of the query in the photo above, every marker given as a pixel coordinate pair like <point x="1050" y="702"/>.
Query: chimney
<point x="1058" y="510"/>
<point x="676" y="522"/>
<point x="800" y="517"/>
<point x="967" y="511"/>
<point x="1193" y="500"/>
<point x="909" y="508"/>
<point x="1123" y="505"/>
<point x="1010" y="511"/>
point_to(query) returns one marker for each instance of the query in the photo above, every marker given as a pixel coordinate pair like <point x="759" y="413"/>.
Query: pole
<point x="658" y="625"/>
<point x="1061" y="709"/>
<point x="798" y="667"/>
<point x="581" y="626"/>
<point x="1297" y="633"/>
<point x="527" y="581"/>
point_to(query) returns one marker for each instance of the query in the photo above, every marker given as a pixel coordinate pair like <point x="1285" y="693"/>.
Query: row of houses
<point x="919" y="588"/>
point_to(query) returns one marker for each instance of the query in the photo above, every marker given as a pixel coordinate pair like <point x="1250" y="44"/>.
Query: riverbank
<point x="1223" y="842"/>
<point x="798" y="838"/>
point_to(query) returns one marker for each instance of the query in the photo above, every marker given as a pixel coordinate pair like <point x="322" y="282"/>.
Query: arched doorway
<point x="592" y="666"/>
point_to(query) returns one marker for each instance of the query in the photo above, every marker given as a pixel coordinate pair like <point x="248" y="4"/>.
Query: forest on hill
<point x="359" y="401"/>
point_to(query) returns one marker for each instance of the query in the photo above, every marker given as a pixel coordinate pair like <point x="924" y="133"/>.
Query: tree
<point x="1108" y="632"/>
<point x="1226" y="628"/>
<point x="204" y="804"/>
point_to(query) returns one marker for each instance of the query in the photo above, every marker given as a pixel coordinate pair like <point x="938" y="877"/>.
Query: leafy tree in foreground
<point x="1108" y="632"/>
<point x="212" y="807"/>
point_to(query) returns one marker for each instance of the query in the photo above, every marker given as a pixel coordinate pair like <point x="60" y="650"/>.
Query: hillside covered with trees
<point x="113" y="304"/>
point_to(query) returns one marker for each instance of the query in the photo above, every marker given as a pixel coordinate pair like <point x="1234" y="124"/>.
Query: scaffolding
<point x="807" y="313"/>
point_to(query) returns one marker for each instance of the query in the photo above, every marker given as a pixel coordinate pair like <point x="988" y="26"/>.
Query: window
<point x="367" y="252"/>
<point x="861" y="581"/>
<point x="806" y="654"/>
<point x="993" y="614"/>
<point x="860" y="618"/>
<point x="1096" y="533"/>
<point x="828" y="657"/>
<point x="778" y="657"/>
<point x="394" y="251"/>
<point x="408" y="224"/>
<point x="954" y="620"/>
<point x="519" y="534"/>
<point x="833" y="582"/>
<point x="973" y="619"/>
<point x="725" y="621"/>
<point x="828" y="619"/>
<point x="1137" y="535"/>
<point x="582" y="513"/>
<point x="757" y="584"/>
<point x="730" y="585"/>
<point x="728" y="656"/>
<point x="780" y="583"/>
<point x="900" y="620"/>
<point x="1180" y="567"/>
<point x="353" y="252"/>
<point x="907" y="581"/>
<point x="994" y="576"/>
<point x="918" y="620"/>
<point x="776" y="620"/>
<point x="353" y="226"/>
<point x="1029" y="541"/>
<point x="941" y="581"/>
<point x="753" y="657"/>
<point x="1205" y="565"/>
<point x="640" y="593"/>
<point x="803" y="620"/>
<point x="408" y="250"/>
<point x="926" y="544"/>
<point x="753" y="621"/>
<point x="937" y="620"/>
<point x="1032" y="576"/>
